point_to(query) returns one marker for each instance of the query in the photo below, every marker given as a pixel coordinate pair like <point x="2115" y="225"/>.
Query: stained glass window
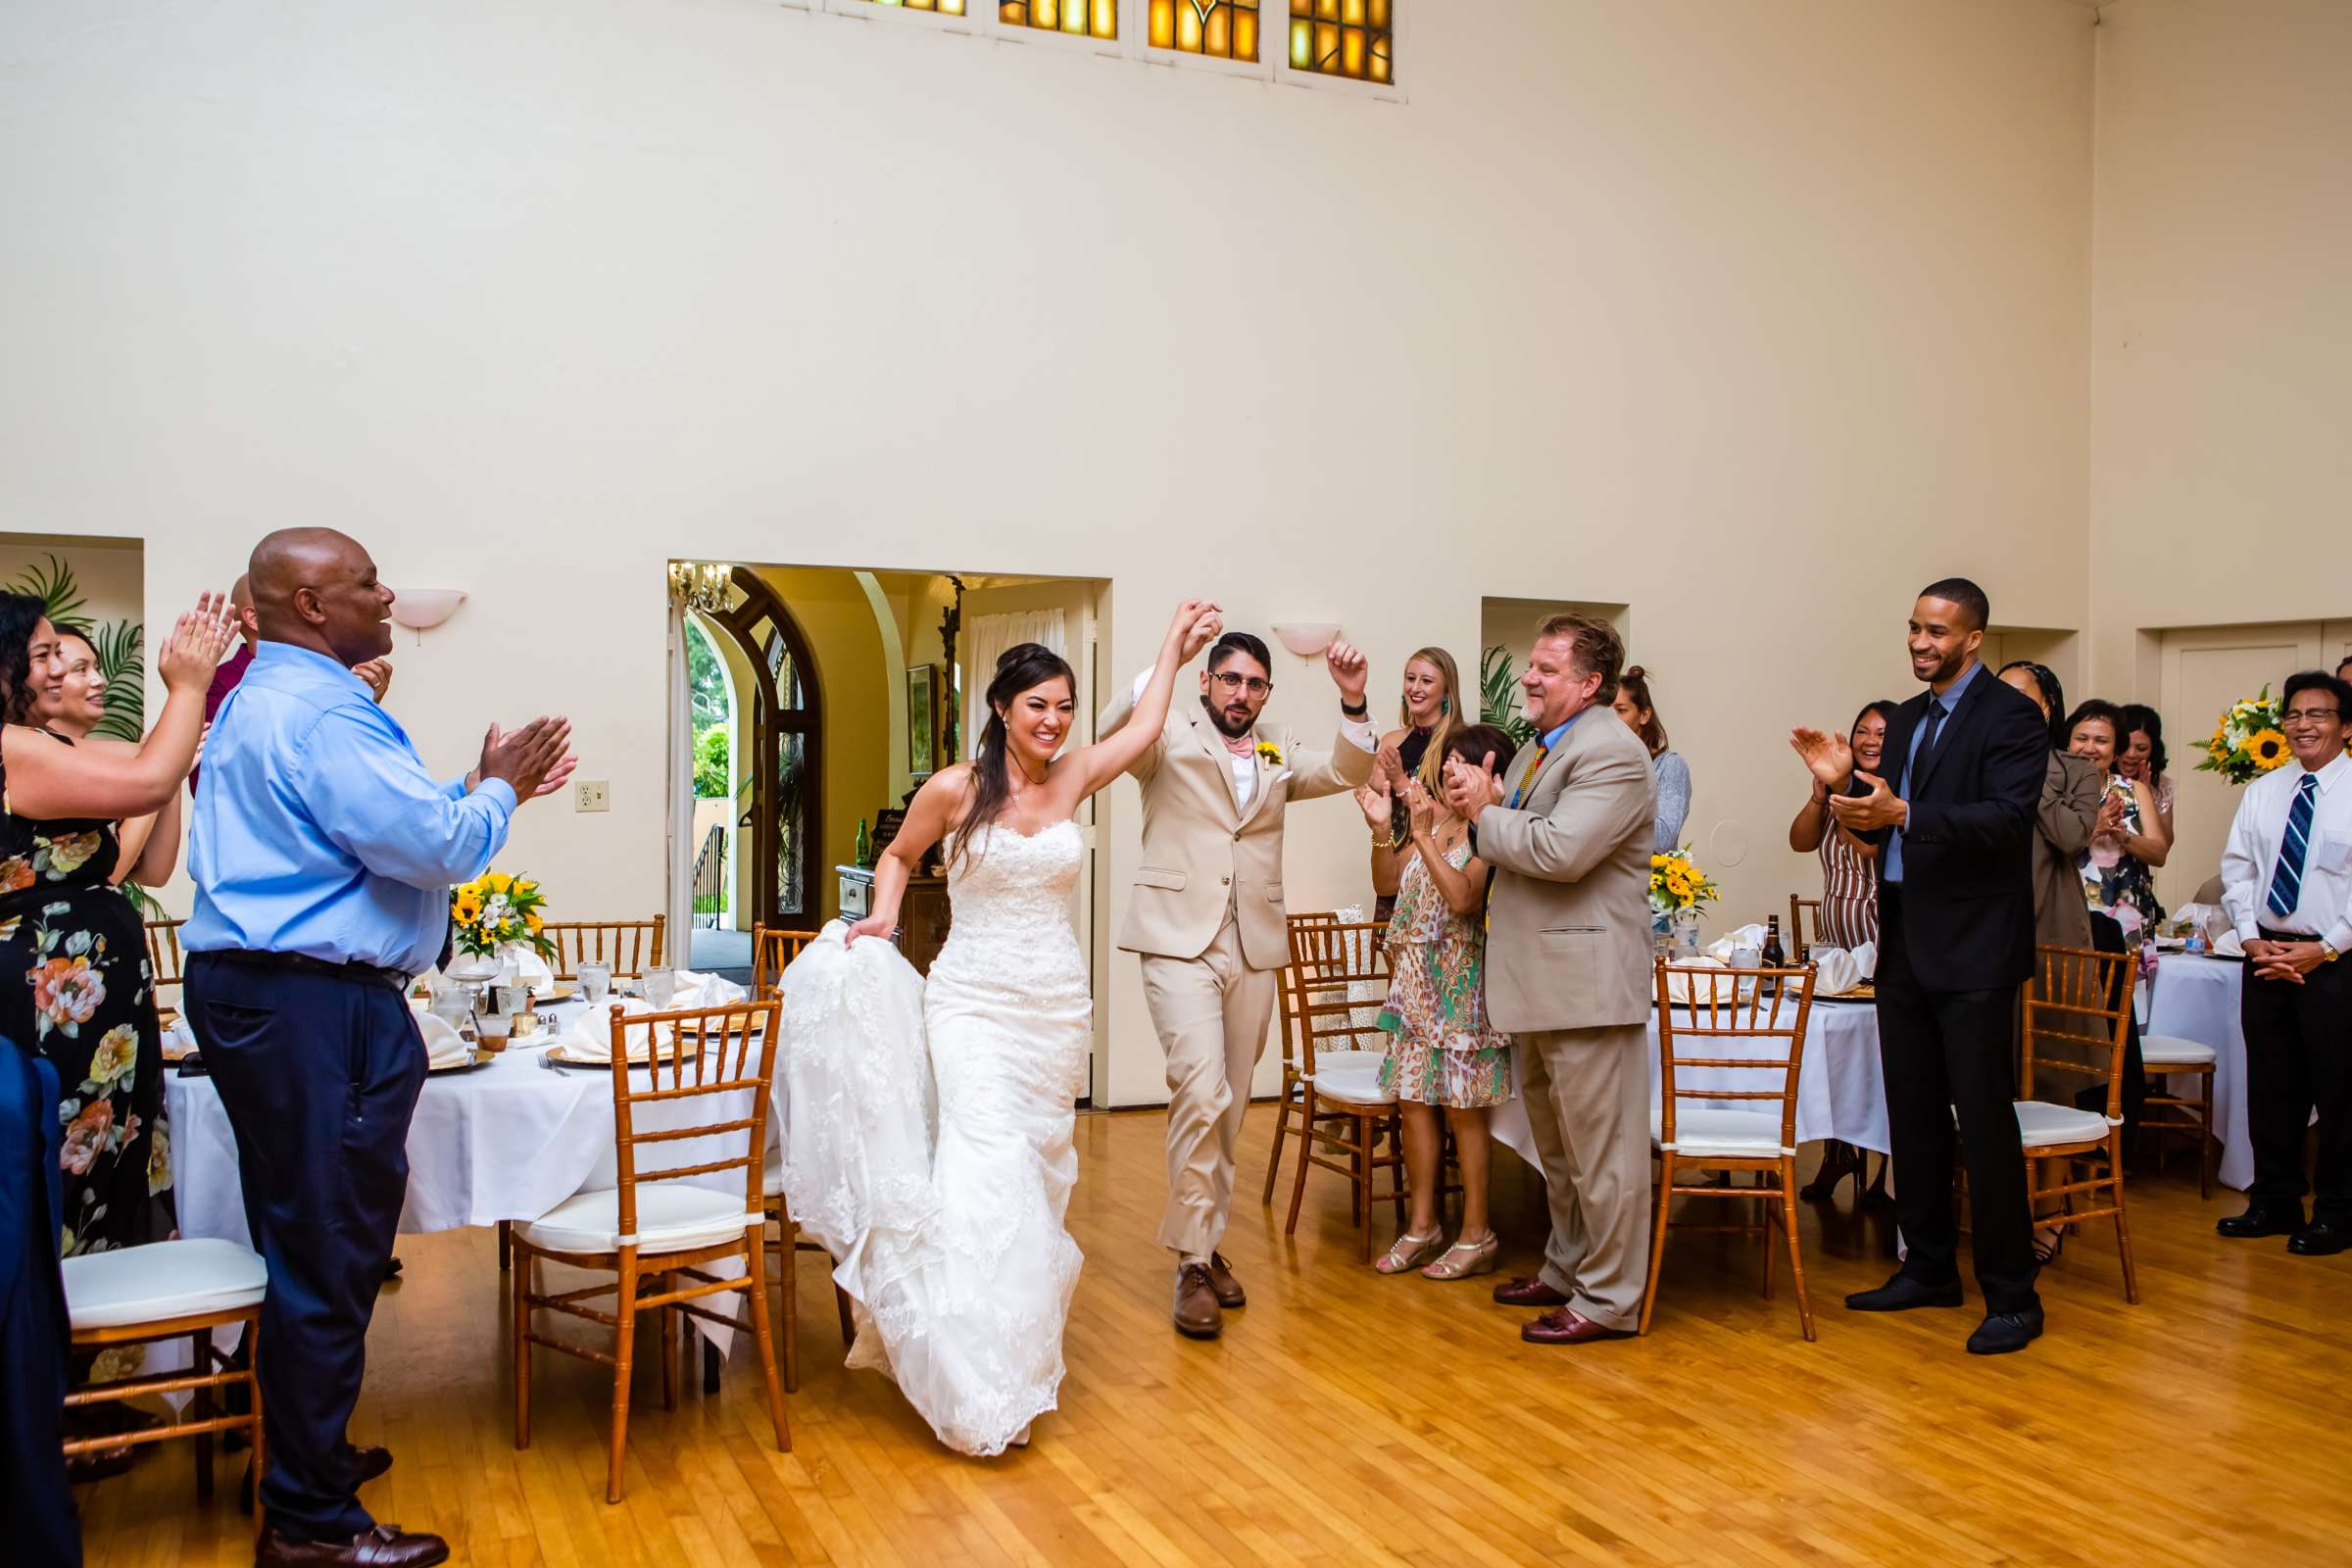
<point x="1087" y="19"/>
<point x="1345" y="38"/>
<point x="946" y="8"/>
<point x="1226" y="28"/>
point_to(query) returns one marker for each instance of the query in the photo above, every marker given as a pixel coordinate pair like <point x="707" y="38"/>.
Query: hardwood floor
<point x="1345" y="1417"/>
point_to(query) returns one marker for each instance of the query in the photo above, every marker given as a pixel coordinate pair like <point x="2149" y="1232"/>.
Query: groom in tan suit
<point x="1206" y="915"/>
<point x="1568" y="830"/>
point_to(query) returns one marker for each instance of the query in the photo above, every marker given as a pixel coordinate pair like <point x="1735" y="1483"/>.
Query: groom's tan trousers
<point x="1211" y="1013"/>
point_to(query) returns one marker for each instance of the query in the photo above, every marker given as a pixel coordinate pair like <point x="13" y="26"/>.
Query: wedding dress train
<point x="927" y="1137"/>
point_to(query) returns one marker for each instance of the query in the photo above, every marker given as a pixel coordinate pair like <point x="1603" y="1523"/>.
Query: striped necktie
<point x="2287" y="883"/>
<point x="1537" y="766"/>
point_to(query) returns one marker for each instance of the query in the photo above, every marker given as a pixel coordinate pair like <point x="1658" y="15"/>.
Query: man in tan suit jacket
<point x="1206" y="914"/>
<point x="1568" y="830"/>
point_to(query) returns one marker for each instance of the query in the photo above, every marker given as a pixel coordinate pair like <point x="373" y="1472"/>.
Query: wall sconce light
<point x="1307" y="638"/>
<point x="423" y="609"/>
<point x="700" y="586"/>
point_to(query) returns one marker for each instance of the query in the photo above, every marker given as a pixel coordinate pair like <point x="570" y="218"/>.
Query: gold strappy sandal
<point x="1465" y="1259"/>
<point x="1408" y="1251"/>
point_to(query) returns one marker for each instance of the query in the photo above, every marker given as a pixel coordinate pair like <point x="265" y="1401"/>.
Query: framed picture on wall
<point x="922" y="720"/>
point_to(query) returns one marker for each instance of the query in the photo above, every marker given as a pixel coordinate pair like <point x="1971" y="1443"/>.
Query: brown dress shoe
<point x="384" y="1546"/>
<point x="1526" y="1292"/>
<point x="1559" y="1326"/>
<point x="372" y="1463"/>
<point x="1197" y="1313"/>
<point x="1220" y="1280"/>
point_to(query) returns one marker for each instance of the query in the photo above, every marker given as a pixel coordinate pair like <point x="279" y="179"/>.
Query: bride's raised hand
<point x="1195" y="625"/>
<point x="873" y="925"/>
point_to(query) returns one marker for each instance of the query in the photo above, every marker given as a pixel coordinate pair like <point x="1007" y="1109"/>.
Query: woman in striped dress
<point x="1849" y="872"/>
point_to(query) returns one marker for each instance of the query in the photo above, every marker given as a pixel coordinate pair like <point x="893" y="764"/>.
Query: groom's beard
<point x="1233" y="727"/>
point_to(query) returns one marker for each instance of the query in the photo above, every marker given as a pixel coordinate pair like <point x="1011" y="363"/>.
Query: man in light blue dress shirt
<point x="323" y="854"/>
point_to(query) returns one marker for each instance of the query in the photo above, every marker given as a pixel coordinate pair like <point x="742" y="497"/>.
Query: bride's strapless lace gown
<point x="927" y="1137"/>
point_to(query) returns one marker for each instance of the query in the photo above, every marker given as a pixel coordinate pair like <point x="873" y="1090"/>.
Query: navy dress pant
<point x="320" y="1076"/>
<point x="36" y="1510"/>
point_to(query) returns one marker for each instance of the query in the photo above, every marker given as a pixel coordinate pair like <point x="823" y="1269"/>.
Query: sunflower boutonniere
<point x="1270" y="753"/>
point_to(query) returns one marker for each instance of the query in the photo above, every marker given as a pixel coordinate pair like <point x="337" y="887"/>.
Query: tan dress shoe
<point x="1228" y="1290"/>
<point x="1198" y="1316"/>
<point x="384" y="1546"/>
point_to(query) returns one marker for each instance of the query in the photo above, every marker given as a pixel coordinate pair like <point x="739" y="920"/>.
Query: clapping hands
<point x="1829" y="758"/>
<point x="1469" y="788"/>
<point x="198" y="639"/>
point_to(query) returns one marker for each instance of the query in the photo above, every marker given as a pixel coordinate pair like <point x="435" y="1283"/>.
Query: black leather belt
<point x="371" y="974"/>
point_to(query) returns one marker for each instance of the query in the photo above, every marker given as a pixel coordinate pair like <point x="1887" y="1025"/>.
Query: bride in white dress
<point x="927" y="1126"/>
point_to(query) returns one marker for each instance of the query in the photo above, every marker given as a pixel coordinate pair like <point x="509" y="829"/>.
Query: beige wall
<point x="2221" y="333"/>
<point x="1752" y="318"/>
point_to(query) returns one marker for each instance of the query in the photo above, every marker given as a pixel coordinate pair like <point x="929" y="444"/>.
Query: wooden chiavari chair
<point x="630" y="946"/>
<point x="1801" y="946"/>
<point x="655" y="1231"/>
<point x="1340" y="1105"/>
<point x="178" y="1289"/>
<point x="2081" y="999"/>
<point x="166" y="965"/>
<point x="1287" y="1100"/>
<point x="772" y="950"/>
<point x="2170" y="1116"/>
<point x="1726" y="1004"/>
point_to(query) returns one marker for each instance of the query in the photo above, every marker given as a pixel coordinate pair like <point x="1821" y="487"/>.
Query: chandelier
<point x="700" y="585"/>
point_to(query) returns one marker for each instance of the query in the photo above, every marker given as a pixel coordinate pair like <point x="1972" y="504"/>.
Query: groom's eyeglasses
<point x="1229" y="683"/>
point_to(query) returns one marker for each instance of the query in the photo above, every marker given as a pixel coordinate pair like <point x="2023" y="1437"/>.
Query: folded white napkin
<point x="1730" y="941"/>
<point x="530" y="969"/>
<point x="1684" y="989"/>
<point x="179" y="1037"/>
<point x="590" y="1037"/>
<point x="1836" y="972"/>
<point x="1866" y="962"/>
<point x="698" y="990"/>
<point x="444" y="1047"/>
<point x="2229" y="945"/>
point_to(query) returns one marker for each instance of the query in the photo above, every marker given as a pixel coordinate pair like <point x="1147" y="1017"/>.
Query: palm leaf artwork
<point x="120" y="645"/>
<point x="53" y="584"/>
<point x="1498" y="696"/>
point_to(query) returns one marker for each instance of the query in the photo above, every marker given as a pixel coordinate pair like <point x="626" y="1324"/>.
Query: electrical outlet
<point x="592" y="795"/>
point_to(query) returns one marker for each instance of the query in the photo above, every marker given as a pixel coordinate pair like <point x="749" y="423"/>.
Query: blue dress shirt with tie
<point x="1950" y="701"/>
<point x="317" y="829"/>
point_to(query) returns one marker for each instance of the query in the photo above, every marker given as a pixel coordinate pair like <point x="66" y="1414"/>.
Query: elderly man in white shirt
<point x="2286" y="881"/>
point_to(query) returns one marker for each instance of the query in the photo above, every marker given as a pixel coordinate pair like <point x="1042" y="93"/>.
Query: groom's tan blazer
<point x="1202" y="851"/>
<point x="1568" y="943"/>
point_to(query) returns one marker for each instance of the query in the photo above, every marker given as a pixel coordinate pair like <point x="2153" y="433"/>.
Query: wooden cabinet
<point x="922" y="912"/>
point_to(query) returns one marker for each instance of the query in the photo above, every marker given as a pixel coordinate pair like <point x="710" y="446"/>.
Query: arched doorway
<point x="783" y="722"/>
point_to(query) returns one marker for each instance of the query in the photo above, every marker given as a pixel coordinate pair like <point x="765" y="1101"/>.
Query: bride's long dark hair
<point x="1022" y="666"/>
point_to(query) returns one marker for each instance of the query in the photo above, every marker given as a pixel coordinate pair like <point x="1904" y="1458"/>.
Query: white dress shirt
<point x="2323" y="904"/>
<point x="1359" y="731"/>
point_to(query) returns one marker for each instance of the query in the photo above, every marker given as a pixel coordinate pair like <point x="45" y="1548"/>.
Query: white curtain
<point x="985" y="639"/>
<point x="678" y="939"/>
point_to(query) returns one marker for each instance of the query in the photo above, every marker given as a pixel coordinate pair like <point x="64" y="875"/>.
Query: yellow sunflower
<point x="498" y="882"/>
<point x="2268" y="748"/>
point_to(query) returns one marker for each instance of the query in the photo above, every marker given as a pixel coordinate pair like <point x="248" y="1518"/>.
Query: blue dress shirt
<point x="1951" y="704"/>
<point x="317" y="829"/>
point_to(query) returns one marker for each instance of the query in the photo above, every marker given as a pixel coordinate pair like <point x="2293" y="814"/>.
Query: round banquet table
<point x="2195" y="997"/>
<point x="1840" y="1093"/>
<point x="506" y="1141"/>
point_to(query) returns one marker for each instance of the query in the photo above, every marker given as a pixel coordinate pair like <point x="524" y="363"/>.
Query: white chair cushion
<point x="2041" y="1124"/>
<point x="160" y="1280"/>
<point x="771" y="1175"/>
<point x="1351" y="1075"/>
<point x="2170" y="1051"/>
<point x="671" y="1217"/>
<point x="1727" y="1134"/>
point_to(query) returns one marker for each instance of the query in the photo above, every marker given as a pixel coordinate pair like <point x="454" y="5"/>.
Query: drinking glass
<point x="595" y="980"/>
<point x="660" y="986"/>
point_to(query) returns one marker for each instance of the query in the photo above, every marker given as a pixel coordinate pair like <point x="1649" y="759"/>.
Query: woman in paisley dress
<point x="74" y="986"/>
<point x="1444" y="1058"/>
<point x="928" y="1121"/>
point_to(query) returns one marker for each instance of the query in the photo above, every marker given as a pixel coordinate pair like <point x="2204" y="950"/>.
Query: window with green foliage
<point x="710" y="781"/>
<point x="121" y="646"/>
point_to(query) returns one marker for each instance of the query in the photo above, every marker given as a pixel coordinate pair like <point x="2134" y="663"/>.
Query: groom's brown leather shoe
<point x="382" y="1547"/>
<point x="1527" y="1291"/>
<point x="1220" y="1280"/>
<point x="1197" y="1313"/>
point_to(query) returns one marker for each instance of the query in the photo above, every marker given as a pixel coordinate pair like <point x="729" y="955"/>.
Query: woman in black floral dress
<point x="75" y="985"/>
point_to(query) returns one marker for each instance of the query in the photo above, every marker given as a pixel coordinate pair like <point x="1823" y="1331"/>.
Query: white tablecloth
<point x="2196" y="999"/>
<point x="506" y="1142"/>
<point x="1840" y="1091"/>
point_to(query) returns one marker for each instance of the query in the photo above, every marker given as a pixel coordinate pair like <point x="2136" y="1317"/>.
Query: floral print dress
<point x="76" y="987"/>
<point x="1442" y="1052"/>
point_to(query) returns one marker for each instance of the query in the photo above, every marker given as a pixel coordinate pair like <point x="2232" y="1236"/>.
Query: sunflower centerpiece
<point x="2246" y="741"/>
<point x="1677" y="890"/>
<point x="495" y="915"/>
